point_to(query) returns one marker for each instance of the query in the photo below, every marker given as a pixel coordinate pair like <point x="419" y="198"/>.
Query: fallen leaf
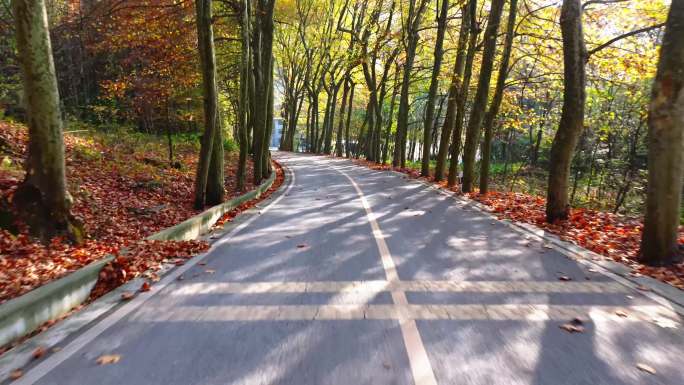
<point x="646" y="368"/>
<point x="127" y="295"/>
<point x="301" y="245"/>
<point x="16" y="374"/>
<point x="570" y="328"/>
<point x="145" y="287"/>
<point x="210" y="271"/>
<point x="574" y="326"/>
<point x="564" y="278"/>
<point x="39" y="352"/>
<point x="108" y="359"/>
<point x="643" y="288"/>
<point x="56" y="349"/>
<point x="202" y="263"/>
<point x="621" y="313"/>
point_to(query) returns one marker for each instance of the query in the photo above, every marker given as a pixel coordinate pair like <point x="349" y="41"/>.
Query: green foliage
<point x="230" y="145"/>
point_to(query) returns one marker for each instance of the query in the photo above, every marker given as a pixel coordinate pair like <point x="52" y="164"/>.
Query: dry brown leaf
<point x="108" y="359"/>
<point x="621" y="313"/>
<point x="571" y="328"/>
<point x="145" y="287"/>
<point x="125" y="296"/>
<point x="645" y="368"/>
<point x="16" y="374"/>
<point x="574" y="326"/>
<point x="39" y="352"/>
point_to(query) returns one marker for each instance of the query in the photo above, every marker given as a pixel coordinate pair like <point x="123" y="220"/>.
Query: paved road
<point x="352" y="276"/>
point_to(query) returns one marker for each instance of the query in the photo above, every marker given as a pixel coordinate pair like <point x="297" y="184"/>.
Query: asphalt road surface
<point x="350" y="276"/>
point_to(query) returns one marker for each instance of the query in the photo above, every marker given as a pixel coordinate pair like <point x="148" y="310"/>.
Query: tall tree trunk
<point x="203" y="179"/>
<point x="413" y="23"/>
<point x="480" y="102"/>
<point x="434" y="84"/>
<point x="244" y="96"/>
<point x="666" y="147"/>
<point x="454" y="89"/>
<point x="327" y="147"/>
<point x="263" y="71"/>
<point x="215" y="179"/>
<point x="572" y="115"/>
<point x="347" y="143"/>
<point x="340" y="126"/>
<point x="496" y="100"/>
<point x="463" y="95"/>
<point x="266" y="153"/>
<point x="314" y="123"/>
<point x="43" y="195"/>
<point x="388" y="129"/>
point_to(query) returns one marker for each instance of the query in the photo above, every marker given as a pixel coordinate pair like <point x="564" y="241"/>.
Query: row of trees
<point x="147" y="81"/>
<point x="506" y="101"/>
<point x="463" y="86"/>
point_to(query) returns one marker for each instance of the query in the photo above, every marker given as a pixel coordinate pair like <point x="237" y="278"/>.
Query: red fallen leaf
<point x="145" y="287"/>
<point x="16" y="374"/>
<point x="38" y="353"/>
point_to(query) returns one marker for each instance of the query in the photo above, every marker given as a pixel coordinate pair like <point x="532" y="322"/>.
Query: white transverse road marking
<point x="361" y="311"/>
<point x="374" y="287"/>
<point x="418" y="358"/>
<point x="43" y="368"/>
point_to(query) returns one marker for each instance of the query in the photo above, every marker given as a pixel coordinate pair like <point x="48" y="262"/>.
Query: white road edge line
<point x="418" y="358"/>
<point x="43" y="368"/>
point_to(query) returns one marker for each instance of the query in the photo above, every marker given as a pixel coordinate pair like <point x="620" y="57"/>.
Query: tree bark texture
<point x="659" y="245"/>
<point x="43" y="194"/>
<point x="473" y="130"/>
<point x="572" y="116"/>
